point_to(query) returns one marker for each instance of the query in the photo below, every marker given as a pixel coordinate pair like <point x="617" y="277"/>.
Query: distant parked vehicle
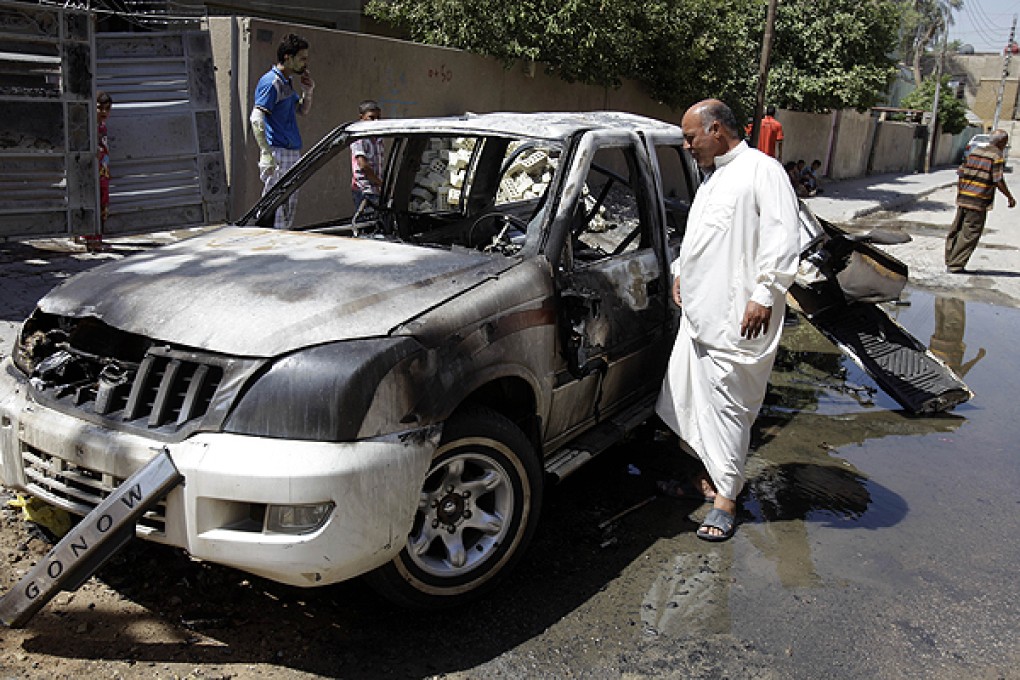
<point x="975" y="141"/>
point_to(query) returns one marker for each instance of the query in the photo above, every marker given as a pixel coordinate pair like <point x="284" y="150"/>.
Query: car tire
<point x="478" y="510"/>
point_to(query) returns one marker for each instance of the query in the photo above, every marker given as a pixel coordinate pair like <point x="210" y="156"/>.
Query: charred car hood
<point x="264" y="292"/>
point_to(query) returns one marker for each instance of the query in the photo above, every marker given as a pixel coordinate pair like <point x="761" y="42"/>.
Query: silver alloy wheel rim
<point x="464" y="513"/>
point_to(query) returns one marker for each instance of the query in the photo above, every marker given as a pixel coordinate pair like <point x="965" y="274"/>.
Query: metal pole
<point x="763" y="71"/>
<point x="1005" y="72"/>
<point x="933" y="126"/>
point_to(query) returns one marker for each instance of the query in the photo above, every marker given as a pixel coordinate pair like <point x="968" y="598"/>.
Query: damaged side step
<point x="596" y="440"/>
<point x="91" y="542"/>
<point x="902" y="366"/>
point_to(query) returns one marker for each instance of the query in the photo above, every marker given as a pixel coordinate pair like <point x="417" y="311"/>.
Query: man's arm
<point x="778" y="250"/>
<point x="305" y="104"/>
<point x="267" y="163"/>
<point x="366" y="168"/>
<point x="1001" y="186"/>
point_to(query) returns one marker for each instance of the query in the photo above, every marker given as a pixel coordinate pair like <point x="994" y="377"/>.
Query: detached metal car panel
<point x="385" y="392"/>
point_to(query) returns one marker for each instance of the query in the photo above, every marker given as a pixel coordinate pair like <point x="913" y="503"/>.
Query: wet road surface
<point x="872" y="544"/>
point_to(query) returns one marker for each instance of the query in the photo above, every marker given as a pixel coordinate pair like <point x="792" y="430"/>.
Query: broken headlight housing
<point x="321" y="393"/>
<point x="36" y="342"/>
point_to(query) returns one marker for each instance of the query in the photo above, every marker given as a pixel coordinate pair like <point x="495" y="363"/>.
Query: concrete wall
<point x="987" y="97"/>
<point x="982" y="75"/>
<point x="950" y="148"/>
<point x="411" y="80"/>
<point x="894" y="148"/>
<point x="408" y="80"/>
<point x="853" y="144"/>
<point x="853" y="140"/>
<point x="807" y="136"/>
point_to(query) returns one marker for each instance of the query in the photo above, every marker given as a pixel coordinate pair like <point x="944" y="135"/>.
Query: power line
<point x="985" y="26"/>
<point x="979" y="21"/>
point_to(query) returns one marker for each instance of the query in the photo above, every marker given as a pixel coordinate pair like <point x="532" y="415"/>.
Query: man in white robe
<point x="739" y="255"/>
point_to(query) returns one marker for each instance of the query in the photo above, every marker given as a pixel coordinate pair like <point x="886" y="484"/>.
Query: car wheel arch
<point x="513" y="397"/>
<point x="508" y="390"/>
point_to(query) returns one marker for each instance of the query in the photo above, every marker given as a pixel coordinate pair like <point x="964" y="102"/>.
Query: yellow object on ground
<point x="35" y="510"/>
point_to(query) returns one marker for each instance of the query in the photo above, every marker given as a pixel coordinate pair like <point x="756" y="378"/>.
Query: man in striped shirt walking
<point x="980" y="175"/>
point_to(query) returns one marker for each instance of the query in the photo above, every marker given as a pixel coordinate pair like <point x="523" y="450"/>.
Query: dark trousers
<point x="963" y="236"/>
<point x="360" y="197"/>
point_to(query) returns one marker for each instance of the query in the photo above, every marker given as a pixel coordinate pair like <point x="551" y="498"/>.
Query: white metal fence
<point x="48" y="182"/>
<point x="166" y="159"/>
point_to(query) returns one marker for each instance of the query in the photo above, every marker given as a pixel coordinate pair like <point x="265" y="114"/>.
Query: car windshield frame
<point x="499" y="183"/>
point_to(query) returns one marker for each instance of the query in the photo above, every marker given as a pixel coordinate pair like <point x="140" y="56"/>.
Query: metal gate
<point x="166" y="159"/>
<point x="48" y="182"/>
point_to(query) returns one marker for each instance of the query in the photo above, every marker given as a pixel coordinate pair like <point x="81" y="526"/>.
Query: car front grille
<point x="164" y="390"/>
<point x="78" y="489"/>
<point x="123" y="380"/>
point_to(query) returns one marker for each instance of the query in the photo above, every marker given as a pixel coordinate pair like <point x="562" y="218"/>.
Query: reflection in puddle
<point x="947" y="340"/>
<point x="811" y="374"/>
<point x="797" y="490"/>
<point x="819" y="403"/>
<point x="862" y="528"/>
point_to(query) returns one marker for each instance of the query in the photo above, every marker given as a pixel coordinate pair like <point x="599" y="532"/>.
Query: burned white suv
<point x="385" y="392"/>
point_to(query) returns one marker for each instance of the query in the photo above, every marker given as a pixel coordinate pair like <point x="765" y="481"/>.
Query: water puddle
<point x="822" y="407"/>
<point x="855" y="513"/>
<point x="862" y="522"/>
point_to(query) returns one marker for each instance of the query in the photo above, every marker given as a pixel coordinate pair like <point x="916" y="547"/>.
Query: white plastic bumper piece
<point x="229" y="482"/>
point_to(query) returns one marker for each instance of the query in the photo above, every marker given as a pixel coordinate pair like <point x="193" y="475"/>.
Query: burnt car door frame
<point x="613" y="312"/>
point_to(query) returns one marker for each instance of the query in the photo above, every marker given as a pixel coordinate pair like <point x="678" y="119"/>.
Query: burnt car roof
<point x="546" y="125"/>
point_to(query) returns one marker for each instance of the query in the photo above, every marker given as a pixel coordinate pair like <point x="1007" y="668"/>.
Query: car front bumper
<point x="229" y="482"/>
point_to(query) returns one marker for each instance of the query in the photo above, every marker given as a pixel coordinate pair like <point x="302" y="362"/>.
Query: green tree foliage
<point x="695" y="49"/>
<point x="681" y="50"/>
<point x="599" y="42"/>
<point x="922" y="23"/>
<point x="832" y="54"/>
<point x="952" y="115"/>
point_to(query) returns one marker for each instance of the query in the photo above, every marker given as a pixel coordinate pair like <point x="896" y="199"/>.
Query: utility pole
<point x="1005" y="72"/>
<point x="763" y="70"/>
<point x="933" y="125"/>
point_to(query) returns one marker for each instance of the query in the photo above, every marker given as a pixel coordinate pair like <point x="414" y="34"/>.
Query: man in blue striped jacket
<point x="980" y="175"/>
